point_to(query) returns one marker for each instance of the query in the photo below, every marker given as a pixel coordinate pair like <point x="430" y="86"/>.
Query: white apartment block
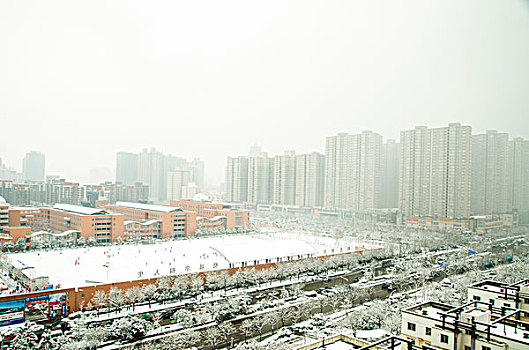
<point x="435" y="169"/>
<point x="237" y="179"/>
<point x="352" y="171"/>
<point x="284" y="179"/>
<point x="260" y="170"/>
<point x="389" y="180"/>
<point x="310" y="176"/>
<point x="519" y="182"/>
<point x="490" y="174"/>
<point x="472" y="326"/>
<point x="176" y="181"/>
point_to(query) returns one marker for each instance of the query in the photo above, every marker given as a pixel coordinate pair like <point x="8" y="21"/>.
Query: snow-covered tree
<point x="129" y="328"/>
<point x="212" y="335"/>
<point x="226" y="329"/>
<point x="99" y="299"/>
<point x="21" y="243"/>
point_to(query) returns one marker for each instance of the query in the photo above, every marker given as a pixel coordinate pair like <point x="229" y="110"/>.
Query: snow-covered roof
<point x="77" y="209"/>
<point x="151" y="207"/>
<point x="46" y="233"/>
<point x="144" y="223"/>
<point x="265" y="249"/>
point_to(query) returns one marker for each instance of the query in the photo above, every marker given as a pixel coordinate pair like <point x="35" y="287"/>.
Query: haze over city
<point x="80" y="82"/>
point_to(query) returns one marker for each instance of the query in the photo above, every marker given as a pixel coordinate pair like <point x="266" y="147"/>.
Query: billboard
<point x="12" y="312"/>
<point x="57" y="305"/>
<point x="37" y="308"/>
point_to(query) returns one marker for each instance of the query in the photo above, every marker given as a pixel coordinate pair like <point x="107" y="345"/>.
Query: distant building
<point x="127" y="168"/>
<point x="435" y="170"/>
<point x="519" y="180"/>
<point x="352" y="171"/>
<point x="490" y="174"/>
<point x="260" y="179"/>
<point x="389" y="178"/>
<point x="176" y="181"/>
<point x="33" y="166"/>
<point x="237" y="179"/>
<point x="310" y="180"/>
<point x="284" y="179"/>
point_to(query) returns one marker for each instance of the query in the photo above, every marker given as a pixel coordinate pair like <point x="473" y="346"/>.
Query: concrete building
<point x="284" y="179"/>
<point x="176" y="181"/>
<point x="127" y="168"/>
<point x="389" y="178"/>
<point x="499" y="294"/>
<point x="61" y="191"/>
<point x="151" y="171"/>
<point x="237" y="179"/>
<point x="435" y="169"/>
<point x="310" y="180"/>
<point x="490" y="174"/>
<point x="519" y="180"/>
<point x="33" y="166"/>
<point x="174" y="221"/>
<point x="260" y="169"/>
<point x="474" y="325"/>
<point x="352" y="171"/>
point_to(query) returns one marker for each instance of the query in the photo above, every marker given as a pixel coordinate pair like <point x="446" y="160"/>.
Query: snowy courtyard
<point x="106" y="264"/>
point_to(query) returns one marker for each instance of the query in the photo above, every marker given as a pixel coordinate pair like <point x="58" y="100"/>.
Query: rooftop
<point x="77" y="209"/>
<point x="149" y="207"/>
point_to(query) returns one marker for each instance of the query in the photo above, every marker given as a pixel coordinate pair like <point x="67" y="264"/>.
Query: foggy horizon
<point x="82" y="82"/>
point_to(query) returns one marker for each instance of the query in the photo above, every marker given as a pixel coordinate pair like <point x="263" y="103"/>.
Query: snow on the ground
<point x="107" y="264"/>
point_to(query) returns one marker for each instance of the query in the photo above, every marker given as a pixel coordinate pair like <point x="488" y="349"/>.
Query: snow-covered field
<point x="92" y="265"/>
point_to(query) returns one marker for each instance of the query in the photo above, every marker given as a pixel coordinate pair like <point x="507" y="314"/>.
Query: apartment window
<point x="475" y="297"/>
<point x="526" y="300"/>
<point x="444" y="338"/>
<point x="467" y="347"/>
<point x="412" y="326"/>
<point x="483" y="347"/>
<point x="428" y="331"/>
<point x="506" y="304"/>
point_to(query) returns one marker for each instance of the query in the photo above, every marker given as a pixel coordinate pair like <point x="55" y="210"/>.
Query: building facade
<point x="352" y="171"/>
<point x="33" y="166"/>
<point x="435" y="171"/>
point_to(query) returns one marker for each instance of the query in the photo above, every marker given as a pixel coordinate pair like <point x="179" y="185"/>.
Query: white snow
<point x="107" y="264"/>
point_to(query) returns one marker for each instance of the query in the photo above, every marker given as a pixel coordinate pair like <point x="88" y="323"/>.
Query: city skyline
<point x="158" y="76"/>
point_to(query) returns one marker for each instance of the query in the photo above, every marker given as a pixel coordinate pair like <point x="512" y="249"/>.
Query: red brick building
<point x="174" y="222"/>
<point x="215" y="215"/>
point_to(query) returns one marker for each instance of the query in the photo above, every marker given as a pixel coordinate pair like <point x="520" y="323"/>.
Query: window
<point x="467" y="347"/>
<point x="444" y="338"/>
<point x="428" y="331"/>
<point x="475" y="297"/>
<point x="483" y="347"/>
<point x="491" y="301"/>
<point x="412" y="326"/>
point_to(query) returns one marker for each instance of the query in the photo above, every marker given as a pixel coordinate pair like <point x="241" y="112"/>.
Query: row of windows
<point x="443" y="337"/>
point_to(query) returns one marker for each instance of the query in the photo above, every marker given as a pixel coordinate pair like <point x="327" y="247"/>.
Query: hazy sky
<point x="80" y="80"/>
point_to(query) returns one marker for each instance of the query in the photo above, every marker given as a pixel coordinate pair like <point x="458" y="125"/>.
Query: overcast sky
<point x="81" y="80"/>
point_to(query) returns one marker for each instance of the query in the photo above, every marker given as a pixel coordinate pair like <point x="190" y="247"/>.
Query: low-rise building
<point x="215" y="216"/>
<point x="174" y="222"/>
<point x="105" y="227"/>
<point x="473" y="326"/>
<point x="499" y="294"/>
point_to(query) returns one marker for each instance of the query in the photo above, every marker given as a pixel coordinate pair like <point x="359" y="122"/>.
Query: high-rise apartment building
<point x="389" y="178"/>
<point x="151" y="171"/>
<point x="260" y="170"/>
<point x="176" y="181"/>
<point x="518" y="192"/>
<point x="127" y="168"/>
<point x="490" y="174"/>
<point x="33" y="166"/>
<point x="284" y="179"/>
<point x="435" y="170"/>
<point x="352" y="171"/>
<point x="310" y="179"/>
<point x="237" y="179"/>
